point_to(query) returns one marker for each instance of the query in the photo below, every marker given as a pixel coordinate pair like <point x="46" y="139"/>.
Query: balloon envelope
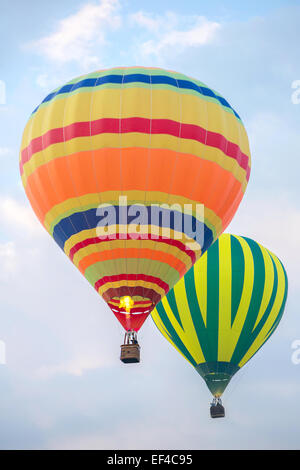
<point x="225" y="308"/>
<point x="114" y="155"/>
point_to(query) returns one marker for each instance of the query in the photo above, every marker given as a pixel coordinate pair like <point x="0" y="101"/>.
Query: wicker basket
<point x="130" y="353"/>
<point x="217" y="411"/>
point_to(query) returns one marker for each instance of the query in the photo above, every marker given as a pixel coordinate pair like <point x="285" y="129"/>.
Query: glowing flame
<point x="126" y="302"/>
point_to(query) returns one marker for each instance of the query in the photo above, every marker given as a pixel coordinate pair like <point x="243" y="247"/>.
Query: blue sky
<point x="63" y="385"/>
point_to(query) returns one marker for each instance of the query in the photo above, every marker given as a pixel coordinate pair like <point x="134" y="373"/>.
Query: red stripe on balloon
<point x="132" y="277"/>
<point x="118" y="236"/>
<point x="140" y="125"/>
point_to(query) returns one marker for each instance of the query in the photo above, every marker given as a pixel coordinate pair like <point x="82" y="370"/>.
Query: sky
<point x="62" y="384"/>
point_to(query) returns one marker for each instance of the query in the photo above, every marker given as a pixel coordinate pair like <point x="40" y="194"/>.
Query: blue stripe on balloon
<point x="89" y="219"/>
<point x="139" y="78"/>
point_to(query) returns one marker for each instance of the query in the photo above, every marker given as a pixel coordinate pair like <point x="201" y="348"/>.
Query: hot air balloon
<point x="116" y="164"/>
<point x="224" y="309"/>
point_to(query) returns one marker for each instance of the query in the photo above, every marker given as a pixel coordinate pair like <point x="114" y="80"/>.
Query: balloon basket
<point x="217" y="410"/>
<point x="130" y="353"/>
<point x="130" y="350"/>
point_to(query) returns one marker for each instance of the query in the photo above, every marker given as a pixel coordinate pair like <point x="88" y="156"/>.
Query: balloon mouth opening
<point x="126" y="302"/>
<point x="217" y="375"/>
<point x="130" y="305"/>
<point x="217" y="383"/>
<point x="132" y="298"/>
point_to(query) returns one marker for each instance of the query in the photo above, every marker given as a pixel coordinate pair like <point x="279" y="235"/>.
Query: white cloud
<point x="76" y="35"/>
<point x="174" y="31"/>
<point x="47" y="81"/>
<point x="150" y="22"/>
<point x="42" y="80"/>
<point x="18" y="217"/>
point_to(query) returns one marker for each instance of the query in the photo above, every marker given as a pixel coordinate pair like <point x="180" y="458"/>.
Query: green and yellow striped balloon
<point x="225" y="308"/>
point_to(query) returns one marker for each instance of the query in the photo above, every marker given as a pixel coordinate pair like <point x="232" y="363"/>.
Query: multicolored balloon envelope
<point x="225" y="308"/>
<point x="122" y="151"/>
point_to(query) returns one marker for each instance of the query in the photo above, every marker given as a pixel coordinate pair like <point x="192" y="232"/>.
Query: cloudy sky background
<point x="63" y="385"/>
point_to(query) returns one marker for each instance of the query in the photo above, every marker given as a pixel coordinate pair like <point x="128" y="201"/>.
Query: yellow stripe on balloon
<point x="117" y="244"/>
<point x="164" y="331"/>
<point x="179" y="330"/>
<point x="191" y="339"/>
<point x="263" y="334"/>
<point x="135" y="140"/>
<point x="130" y="283"/>
<point x="105" y="102"/>
<point x="120" y="229"/>
<point x="268" y="287"/>
<point x="201" y="287"/>
<point x="137" y="302"/>
<point x="225" y="333"/>
<point x="245" y="299"/>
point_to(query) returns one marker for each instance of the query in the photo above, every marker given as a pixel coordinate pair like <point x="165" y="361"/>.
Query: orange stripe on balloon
<point x="118" y="253"/>
<point x="53" y="183"/>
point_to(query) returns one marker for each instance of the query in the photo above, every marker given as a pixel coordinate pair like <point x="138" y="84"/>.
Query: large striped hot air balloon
<point x="109" y="146"/>
<point x="224" y="309"/>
